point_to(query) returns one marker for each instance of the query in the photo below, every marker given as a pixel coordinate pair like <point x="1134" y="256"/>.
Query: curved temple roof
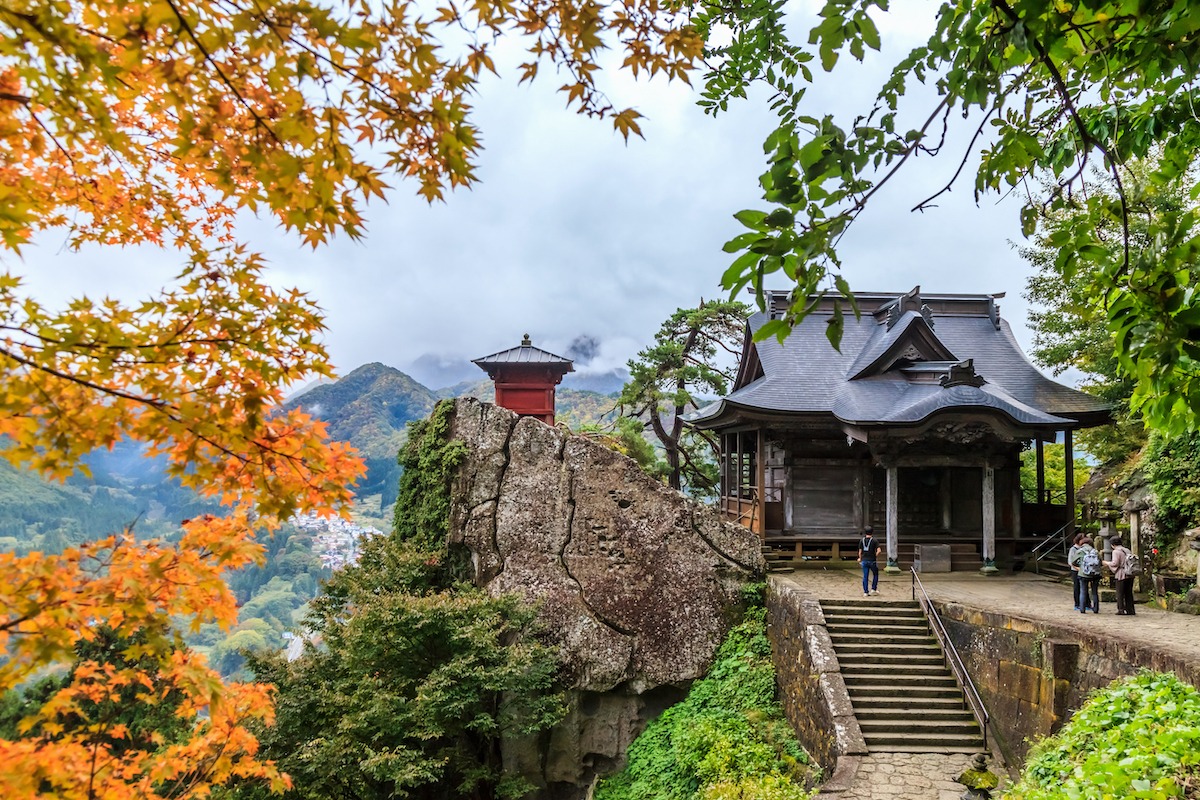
<point x="525" y="353"/>
<point x="899" y="366"/>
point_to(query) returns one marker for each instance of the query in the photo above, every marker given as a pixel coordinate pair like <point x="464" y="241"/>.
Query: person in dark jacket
<point x="868" y="556"/>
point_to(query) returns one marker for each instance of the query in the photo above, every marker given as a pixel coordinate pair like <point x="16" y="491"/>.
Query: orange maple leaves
<point x="156" y="122"/>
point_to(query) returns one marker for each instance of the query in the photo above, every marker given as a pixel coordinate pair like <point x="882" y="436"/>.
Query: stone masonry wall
<point x="1033" y="676"/>
<point x="811" y="686"/>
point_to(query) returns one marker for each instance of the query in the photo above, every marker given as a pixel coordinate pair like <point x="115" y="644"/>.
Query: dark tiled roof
<point x="804" y="374"/>
<point x="525" y="353"/>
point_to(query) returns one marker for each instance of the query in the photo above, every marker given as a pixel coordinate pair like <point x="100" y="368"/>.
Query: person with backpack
<point x="1088" y="560"/>
<point x="1073" y="563"/>
<point x="868" y="556"/>
<point x="1124" y="566"/>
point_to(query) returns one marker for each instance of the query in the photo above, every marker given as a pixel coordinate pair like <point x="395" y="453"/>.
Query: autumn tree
<point x="156" y="123"/>
<point x="693" y="358"/>
<point x="1019" y="91"/>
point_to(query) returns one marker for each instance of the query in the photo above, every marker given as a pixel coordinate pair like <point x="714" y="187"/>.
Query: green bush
<point x="727" y="740"/>
<point x="1139" y="738"/>
<point x="1172" y="466"/>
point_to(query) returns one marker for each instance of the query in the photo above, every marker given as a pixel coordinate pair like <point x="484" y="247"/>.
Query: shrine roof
<point x="894" y="367"/>
<point x="525" y="353"/>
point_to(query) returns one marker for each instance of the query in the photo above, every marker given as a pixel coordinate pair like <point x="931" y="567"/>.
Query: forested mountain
<point x="370" y="408"/>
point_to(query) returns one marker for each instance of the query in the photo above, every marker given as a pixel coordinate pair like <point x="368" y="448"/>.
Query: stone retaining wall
<point x="1034" y="675"/>
<point x="811" y="687"/>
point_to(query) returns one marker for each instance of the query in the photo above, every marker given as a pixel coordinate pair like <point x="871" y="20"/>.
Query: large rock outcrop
<point x="637" y="583"/>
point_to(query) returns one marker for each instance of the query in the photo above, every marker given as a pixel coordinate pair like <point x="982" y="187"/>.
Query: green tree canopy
<point x="1045" y="91"/>
<point x="693" y="357"/>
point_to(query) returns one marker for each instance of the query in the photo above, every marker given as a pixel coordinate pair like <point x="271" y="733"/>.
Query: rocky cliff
<point x="636" y="583"/>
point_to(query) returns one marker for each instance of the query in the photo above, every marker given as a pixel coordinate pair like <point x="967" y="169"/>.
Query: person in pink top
<point x="1124" y="581"/>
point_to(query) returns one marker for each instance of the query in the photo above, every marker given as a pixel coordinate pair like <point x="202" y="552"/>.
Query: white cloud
<point x="571" y="231"/>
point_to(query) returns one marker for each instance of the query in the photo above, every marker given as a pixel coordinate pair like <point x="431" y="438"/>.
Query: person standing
<point x="1089" y="578"/>
<point x="868" y="556"/>
<point x="1124" y="581"/>
<point x="1073" y="563"/>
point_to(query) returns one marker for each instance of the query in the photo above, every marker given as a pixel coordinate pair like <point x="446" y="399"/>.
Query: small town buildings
<point x="525" y="378"/>
<point x="914" y="427"/>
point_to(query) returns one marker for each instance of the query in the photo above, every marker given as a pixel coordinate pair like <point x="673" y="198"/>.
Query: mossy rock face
<point x="979" y="779"/>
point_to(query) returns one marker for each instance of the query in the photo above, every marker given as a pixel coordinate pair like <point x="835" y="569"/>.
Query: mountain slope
<point x="369" y="408"/>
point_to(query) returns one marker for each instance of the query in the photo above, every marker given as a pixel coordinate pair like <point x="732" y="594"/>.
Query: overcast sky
<point x="571" y="232"/>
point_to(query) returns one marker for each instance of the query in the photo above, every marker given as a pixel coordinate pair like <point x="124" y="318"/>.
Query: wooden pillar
<point x="893" y="520"/>
<point x="1016" y="504"/>
<point x="760" y="475"/>
<point x="946" y="492"/>
<point x="1041" y="472"/>
<point x="989" y="520"/>
<point x="1069" y="465"/>
<point x="1140" y="582"/>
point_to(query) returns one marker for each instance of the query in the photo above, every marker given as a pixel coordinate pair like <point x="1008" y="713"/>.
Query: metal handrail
<point x="1059" y="537"/>
<point x="970" y="693"/>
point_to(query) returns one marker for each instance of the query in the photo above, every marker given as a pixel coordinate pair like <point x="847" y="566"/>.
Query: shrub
<point x="727" y="740"/>
<point x="1139" y="738"/>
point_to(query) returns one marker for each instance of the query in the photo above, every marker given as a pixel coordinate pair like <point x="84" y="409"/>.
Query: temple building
<point x="915" y="427"/>
<point x="525" y="377"/>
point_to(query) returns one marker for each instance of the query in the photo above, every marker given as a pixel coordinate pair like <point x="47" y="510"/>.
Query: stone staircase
<point x="1054" y="565"/>
<point x="905" y="698"/>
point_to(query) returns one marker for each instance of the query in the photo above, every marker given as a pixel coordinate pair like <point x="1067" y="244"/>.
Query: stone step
<point x="893" y="661"/>
<point x="868" y="685"/>
<point x="880" y="640"/>
<point x="836" y="628"/>
<point x="891" y="625"/>
<point x="949" y="701"/>
<point x="918" y="728"/>
<point x="889" y="672"/>
<point x="919" y="648"/>
<point x="873" y="602"/>
<point x="875" y="620"/>
<point x="932" y="747"/>
<point x="864" y="607"/>
<point x="948" y="714"/>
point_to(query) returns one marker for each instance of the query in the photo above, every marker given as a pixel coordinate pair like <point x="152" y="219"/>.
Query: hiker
<point x="1124" y="581"/>
<point x="1073" y="563"/>
<point x="868" y="556"/>
<point x="1088" y="562"/>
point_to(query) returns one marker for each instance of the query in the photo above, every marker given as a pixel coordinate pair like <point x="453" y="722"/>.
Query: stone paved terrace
<point x="899" y="776"/>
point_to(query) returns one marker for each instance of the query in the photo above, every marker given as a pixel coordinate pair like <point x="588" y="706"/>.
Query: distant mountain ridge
<point x="371" y="406"/>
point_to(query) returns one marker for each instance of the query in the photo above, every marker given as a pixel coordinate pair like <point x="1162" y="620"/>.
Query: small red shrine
<point x="525" y="378"/>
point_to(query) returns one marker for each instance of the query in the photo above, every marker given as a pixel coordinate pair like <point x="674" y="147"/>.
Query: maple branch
<point x="187" y="28"/>
<point x="15" y="98"/>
